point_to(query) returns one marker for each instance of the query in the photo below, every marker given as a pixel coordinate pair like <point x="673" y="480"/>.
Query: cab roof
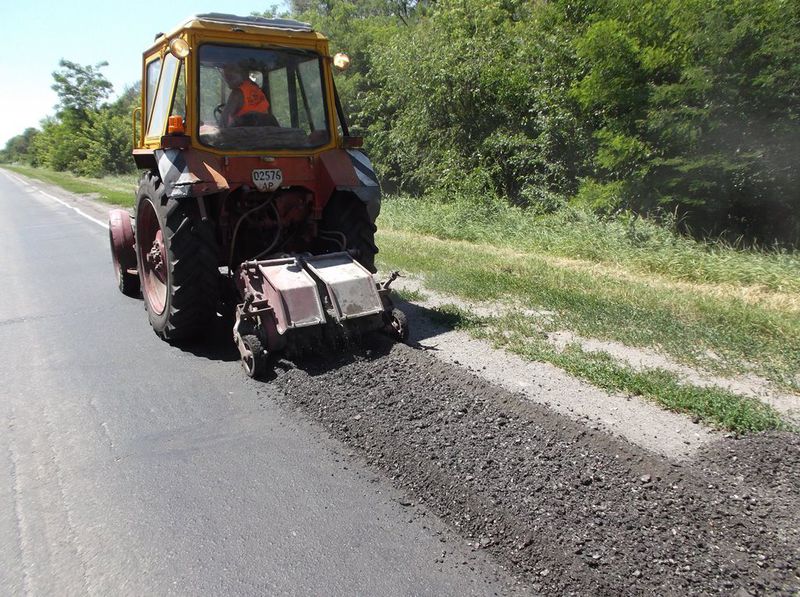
<point x="259" y="22"/>
<point x="216" y="21"/>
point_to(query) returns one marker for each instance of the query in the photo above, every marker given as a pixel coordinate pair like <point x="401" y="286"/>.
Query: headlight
<point x="179" y="48"/>
<point x="341" y="61"/>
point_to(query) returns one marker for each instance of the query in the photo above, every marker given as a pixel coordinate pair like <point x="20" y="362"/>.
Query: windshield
<point x="256" y="99"/>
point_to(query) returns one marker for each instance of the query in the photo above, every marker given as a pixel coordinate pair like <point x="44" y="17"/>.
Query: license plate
<point x="267" y="180"/>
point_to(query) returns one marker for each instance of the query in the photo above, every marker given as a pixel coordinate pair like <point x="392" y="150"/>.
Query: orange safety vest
<point x="253" y="99"/>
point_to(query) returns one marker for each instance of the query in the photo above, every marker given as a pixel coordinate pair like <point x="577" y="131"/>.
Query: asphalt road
<point x="129" y="466"/>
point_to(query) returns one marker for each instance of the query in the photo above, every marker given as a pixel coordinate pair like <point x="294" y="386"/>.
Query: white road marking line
<point x="75" y="209"/>
<point x="54" y="198"/>
<point x="17" y="179"/>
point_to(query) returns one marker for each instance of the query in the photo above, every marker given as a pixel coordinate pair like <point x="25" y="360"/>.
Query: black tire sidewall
<point x="347" y="214"/>
<point x="191" y="254"/>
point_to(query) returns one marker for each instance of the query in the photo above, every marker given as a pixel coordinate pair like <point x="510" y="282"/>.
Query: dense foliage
<point x="689" y="108"/>
<point x="681" y="107"/>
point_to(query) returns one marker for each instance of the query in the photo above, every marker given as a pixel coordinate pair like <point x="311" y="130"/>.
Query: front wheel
<point x="397" y="325"/>
<point x="177" y="257"/>
<point x="123" y="253"/>
<point x="254" y="360"/>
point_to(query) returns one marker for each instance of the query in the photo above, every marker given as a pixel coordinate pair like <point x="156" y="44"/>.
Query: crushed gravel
<point x="571" y="510"/>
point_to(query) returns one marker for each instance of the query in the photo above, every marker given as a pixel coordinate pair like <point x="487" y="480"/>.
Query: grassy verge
<point x="119" y="190"/>
<point x="633" y="243"/>
<point x="713" y="406"/>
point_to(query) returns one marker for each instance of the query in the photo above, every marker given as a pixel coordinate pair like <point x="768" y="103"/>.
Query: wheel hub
<point x="155" y="257"/>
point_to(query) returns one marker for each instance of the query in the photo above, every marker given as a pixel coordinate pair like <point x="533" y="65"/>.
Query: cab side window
<point x="163" y="95"/>
<point x="153" y="69"/>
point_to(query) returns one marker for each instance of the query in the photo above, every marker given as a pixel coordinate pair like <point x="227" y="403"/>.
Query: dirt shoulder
<point x="640" y="359"/>
<point x="541" y="298"/>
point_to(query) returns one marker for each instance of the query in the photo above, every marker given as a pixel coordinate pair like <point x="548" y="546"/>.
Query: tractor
<point x="253" y="193"/>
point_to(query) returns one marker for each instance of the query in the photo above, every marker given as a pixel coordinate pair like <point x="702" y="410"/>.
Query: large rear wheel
<point x="177" y="257"/>
<point x="345" y="217"/>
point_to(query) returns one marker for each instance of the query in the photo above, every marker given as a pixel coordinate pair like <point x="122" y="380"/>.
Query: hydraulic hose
<point x="335" y="236"/>
<point x="269" y="202"/>
<point x="274" y="242"/>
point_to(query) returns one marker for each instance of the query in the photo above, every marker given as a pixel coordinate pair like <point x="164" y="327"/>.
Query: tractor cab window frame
<point x="163" y="97"/>
<point x="293" y="80"/>
<point x="178" y="107"/>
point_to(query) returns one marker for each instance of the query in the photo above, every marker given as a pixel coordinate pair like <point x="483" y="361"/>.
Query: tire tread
<point x="193" y="288"/>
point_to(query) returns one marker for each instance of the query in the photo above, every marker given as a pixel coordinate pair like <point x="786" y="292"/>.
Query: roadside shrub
<point x="603" y="198"/>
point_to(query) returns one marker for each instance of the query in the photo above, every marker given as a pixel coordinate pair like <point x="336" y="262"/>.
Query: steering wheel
<point x="218" y="114"/>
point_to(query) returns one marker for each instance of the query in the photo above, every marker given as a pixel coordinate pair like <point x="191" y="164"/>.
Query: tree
<point x="20" y="148"/>
<point x="360" y="8"/>
<point x="80" y="88"/>
<point x="86" y="136"/>
<point x="694" y="106"/>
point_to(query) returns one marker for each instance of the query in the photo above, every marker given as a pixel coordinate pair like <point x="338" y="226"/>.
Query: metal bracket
<point x="392" y="277"/>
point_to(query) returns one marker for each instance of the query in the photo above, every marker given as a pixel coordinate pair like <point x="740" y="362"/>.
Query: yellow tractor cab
<point x="285" y="59"/>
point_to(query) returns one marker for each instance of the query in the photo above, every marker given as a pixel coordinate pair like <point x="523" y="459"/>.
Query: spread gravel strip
<point x="570" y="509"/>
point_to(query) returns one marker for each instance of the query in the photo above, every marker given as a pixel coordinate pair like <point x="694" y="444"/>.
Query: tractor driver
<point x="247" y="105"/>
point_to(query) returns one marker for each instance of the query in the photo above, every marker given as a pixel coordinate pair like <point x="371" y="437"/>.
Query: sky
<point x="38" y="33"/>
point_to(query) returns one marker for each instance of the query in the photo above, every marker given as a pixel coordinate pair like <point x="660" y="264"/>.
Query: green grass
<point x="118" y="190"/>
<point x="633" y="243"/>
<point x="723" y="334"/>
<point x="712" y="405"/>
